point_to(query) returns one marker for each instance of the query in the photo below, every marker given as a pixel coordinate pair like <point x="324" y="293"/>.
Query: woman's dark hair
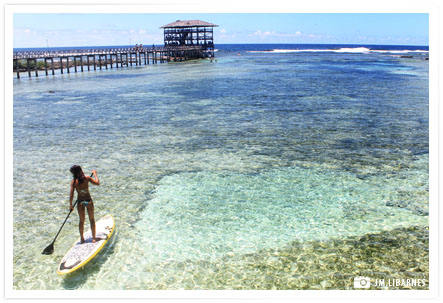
<point x="78" y="174"/>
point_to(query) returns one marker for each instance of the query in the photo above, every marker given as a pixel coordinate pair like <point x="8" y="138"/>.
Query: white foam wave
<point x="353" y="50"/>
<point x="341" y="50"/>
<point x="68" y="102"/>
<point x="288" y="51"/>
<point x="399" y="51"/>
<point x="75" y="98"/>
<point x="363" y="50"/>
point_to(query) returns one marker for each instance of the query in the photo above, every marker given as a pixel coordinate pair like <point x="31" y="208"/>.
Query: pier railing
<point x="101" y="51"/>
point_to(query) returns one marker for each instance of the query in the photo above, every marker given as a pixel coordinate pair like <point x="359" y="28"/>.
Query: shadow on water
<point x="79" y="278"/>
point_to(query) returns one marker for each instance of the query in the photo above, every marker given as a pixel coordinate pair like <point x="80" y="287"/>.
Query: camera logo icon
<point x="362" y="282"/>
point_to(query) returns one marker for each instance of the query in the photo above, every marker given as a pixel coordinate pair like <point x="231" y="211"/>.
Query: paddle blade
<point x="48" y="250"/>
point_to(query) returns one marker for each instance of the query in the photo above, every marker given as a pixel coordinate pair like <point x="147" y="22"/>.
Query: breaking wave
<point x="361" y="50"/>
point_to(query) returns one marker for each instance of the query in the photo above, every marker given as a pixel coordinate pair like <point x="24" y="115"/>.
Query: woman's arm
<point x="71" y="196"/>
<point x="94" y="181"/>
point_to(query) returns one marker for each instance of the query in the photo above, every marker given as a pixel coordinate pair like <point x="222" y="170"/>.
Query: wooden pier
<point x="87" y="59"/>
<point x="183" y="40"/>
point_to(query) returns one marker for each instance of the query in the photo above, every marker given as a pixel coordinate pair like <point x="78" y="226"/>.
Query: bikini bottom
<point x="84" y="203"/>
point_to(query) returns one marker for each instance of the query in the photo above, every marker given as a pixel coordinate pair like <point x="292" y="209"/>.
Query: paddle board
<point x="80" y="254"/>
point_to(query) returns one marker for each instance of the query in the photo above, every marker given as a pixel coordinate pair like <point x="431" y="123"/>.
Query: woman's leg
<point x="90" y="209"/>
<point x="81" y="214"/>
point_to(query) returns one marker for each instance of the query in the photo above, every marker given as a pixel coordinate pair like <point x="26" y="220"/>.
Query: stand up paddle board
<point x="80" y="254"/>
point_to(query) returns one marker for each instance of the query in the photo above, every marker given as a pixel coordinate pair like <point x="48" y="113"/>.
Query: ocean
<point x="271" y="167"/>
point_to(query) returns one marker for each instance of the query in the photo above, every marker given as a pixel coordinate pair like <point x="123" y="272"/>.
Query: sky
<point x="106" y="29"/>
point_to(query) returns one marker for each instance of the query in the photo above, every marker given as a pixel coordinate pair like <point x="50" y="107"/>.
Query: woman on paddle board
<point x="81" y="184"/>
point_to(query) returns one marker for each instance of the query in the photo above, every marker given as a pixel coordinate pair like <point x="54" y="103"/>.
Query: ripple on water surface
<point x="293" y="172"/>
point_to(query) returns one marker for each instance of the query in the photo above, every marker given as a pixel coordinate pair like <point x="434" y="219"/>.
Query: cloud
<point x="288" y="37"/>
<point x="266" y="34"/>
<point x="263" y="34"/>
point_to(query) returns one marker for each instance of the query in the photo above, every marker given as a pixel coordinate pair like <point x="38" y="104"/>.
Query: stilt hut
<point x="190" y="33"/>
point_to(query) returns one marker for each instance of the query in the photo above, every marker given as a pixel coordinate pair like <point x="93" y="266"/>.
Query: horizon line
<point x="278" y="43"/>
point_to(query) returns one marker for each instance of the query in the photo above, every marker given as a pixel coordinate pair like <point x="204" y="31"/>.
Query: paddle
<point x="50" y="248"/>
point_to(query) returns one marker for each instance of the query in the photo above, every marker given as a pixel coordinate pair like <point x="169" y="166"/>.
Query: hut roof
<point x="189" y="23"/>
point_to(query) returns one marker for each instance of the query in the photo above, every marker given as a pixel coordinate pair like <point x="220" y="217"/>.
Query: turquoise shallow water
<point x="267" y="210"/>
<point x="218" y="172"/>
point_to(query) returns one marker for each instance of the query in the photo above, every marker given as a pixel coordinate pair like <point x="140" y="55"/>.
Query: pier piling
<point x="27" y="67"/>
<point x="17" y="68"/>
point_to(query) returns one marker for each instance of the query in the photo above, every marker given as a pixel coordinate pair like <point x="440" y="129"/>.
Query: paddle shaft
<point x="64" y="221"/>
